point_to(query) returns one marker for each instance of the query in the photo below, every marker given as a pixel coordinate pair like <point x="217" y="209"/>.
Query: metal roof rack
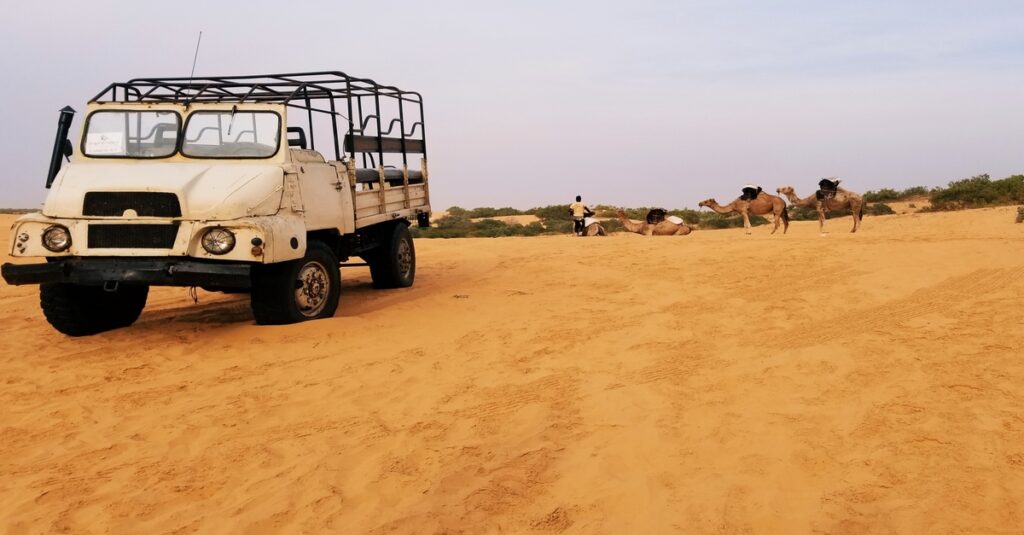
<point x="314" y="92"/>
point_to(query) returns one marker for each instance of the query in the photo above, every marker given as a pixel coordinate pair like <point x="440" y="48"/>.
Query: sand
<point x="511" y="219"/>
<point x="712" y="383"/>
<point x="909" y="206"/>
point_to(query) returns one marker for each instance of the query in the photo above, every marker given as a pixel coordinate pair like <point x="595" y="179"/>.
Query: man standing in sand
<point x="580" y="212"/>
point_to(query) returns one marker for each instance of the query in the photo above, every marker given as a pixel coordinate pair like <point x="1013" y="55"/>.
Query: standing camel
<point x="764" y="204"/>
<point x="842" y="199"/>
<point x="666" y="227"/>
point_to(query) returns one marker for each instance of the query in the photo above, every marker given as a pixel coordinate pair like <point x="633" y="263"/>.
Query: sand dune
<point x="511" y="219"/>
<point x="713" y="383"/>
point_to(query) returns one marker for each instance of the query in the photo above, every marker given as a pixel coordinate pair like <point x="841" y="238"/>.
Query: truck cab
<point x="216" y="182"/>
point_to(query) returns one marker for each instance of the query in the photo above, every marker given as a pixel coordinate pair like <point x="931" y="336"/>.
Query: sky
<point x="646" y="102"/>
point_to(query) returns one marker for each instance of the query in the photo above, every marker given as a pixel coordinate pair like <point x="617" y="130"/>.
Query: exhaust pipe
<point x="61" y="145"/>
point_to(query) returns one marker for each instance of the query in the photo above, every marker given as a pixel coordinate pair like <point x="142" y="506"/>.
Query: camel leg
<point x="821" y="221"/>
<point x="746" y="222"/>
<point x="856" y="216"/>
<point x="777" y="221"/>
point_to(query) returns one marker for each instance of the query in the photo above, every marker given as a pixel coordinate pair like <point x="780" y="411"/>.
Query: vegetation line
<point x="974" y="192"/>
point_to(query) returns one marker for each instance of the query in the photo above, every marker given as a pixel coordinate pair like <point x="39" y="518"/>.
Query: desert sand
<point x="511" y="219"/>
<point x="712" y="383"/>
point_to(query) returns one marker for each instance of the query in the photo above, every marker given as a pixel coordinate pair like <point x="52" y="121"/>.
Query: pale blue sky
<point x="632" y="103"/>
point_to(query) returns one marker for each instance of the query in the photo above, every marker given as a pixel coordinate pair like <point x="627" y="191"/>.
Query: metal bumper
<point x="152" y="271"/>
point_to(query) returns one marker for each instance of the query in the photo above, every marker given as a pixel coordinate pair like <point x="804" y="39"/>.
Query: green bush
<point x="603" y="210"/>
<point x="879" y="208"/>
<point x="692" y="217"/>
<point x="613" y="225"/>
<point x="884" y="194"/>
<point x="493" y="212"/>
<point x="449" y="227"/>
<point x="554" y="211"/>
<point x="889" y="194"/>
<point x="802" y="213"/>
<point x="916" y="191"/>
<point x="978" y="191"/>
<point x="454" y="222"/>
<point x="810" y="214"/>
<point x="714" y="220"/>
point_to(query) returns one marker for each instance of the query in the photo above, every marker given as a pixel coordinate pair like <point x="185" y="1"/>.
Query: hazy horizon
<point x="646" y="103"/>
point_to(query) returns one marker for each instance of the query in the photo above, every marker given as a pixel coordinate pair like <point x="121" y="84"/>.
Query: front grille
<point x="145" y="204"/>
<point x="132" y="236"/>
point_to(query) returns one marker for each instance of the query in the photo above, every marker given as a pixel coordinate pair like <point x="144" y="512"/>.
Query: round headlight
<point x="218" y="241"/>
<point x="56" y="238"/>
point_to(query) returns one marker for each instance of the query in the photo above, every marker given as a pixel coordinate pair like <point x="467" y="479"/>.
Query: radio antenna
<point x="195" y="57"/>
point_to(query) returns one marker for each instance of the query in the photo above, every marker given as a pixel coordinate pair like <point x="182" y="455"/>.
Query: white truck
<point x="216" y="182"/>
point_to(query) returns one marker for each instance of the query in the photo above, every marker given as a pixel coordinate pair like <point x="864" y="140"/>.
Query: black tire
<point x="298" y="290"/>
<point x="393" y="263"/>
<point x="78" y="310"/>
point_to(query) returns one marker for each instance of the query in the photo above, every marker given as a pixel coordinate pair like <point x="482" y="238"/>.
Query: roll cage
<point x="371" y="110"/>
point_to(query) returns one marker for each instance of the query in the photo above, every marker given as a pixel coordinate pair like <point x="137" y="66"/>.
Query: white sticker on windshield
<point x="109" y="143"/>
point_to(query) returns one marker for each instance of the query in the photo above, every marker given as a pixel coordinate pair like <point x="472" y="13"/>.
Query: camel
<point x="662" y="228"/>
<point x="764" y="204"/>
<point x="842" y="199"/>
<point x="594" y="228"/>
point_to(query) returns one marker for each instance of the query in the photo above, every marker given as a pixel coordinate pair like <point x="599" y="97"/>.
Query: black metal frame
<point x="300" y="90"/>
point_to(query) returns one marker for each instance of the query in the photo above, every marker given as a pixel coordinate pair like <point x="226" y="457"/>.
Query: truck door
<point x="326" y="196"/>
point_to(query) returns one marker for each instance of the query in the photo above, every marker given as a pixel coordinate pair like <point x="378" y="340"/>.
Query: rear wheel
<point x="298" y="290"/>
<point x="393" y="263"/>
<point x="78" y="310"/>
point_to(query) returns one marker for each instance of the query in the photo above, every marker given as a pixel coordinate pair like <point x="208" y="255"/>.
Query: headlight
<point x="56" y="238"/>
<point x="218" y="241"/>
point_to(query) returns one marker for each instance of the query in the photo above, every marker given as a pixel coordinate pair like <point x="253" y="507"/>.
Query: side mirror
<point x="61" y="145"/>
<point x="68" y="149"/>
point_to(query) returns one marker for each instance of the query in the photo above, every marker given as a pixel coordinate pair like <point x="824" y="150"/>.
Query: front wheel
<point x="393" y="263"/>
<point x="298" y="290"/>
<point x="78" y="310"/>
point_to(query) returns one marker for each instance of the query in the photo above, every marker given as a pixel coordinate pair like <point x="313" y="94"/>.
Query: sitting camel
<point x="840" y="200"/>
<point x="670" y="226"/>
<point x="763" y="204"/>
<point x="593" y="228"/>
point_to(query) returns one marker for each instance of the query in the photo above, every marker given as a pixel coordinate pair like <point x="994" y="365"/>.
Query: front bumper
<point x="152" y="271"/>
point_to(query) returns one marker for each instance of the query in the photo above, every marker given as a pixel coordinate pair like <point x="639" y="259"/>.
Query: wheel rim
<point x="404" y="258"/>
<point x="312" y="288"/>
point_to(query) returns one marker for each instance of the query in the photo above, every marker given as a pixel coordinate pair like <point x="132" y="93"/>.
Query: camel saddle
<point x="826" y="189"/>
<point x="750" y="192"/>
<point x="656" y="215"/>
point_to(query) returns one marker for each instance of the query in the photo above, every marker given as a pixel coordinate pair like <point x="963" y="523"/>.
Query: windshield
<point x="232" y="134"/>
<point x="131" y="134"/>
